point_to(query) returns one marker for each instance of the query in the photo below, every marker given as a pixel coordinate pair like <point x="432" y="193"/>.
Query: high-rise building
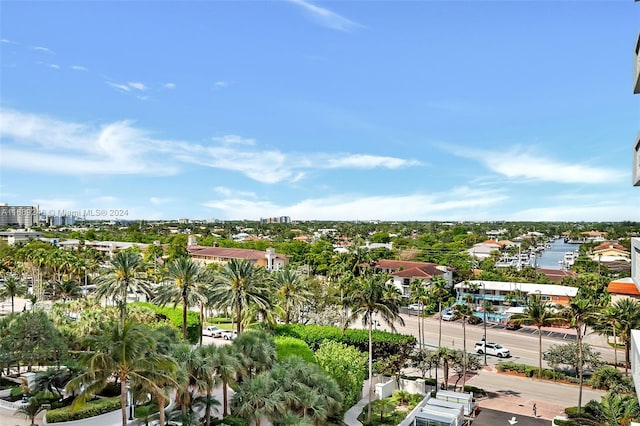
<point x="23" y="216"/>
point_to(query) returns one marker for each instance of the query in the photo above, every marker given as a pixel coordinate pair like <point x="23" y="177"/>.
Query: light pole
<point x="484" y="322"/>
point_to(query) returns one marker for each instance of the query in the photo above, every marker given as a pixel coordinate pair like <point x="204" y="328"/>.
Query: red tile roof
<point x="556" y="275"/>
<point x="407" y="269"/>
<point x="629" y="289"/>
<point x="228" y="253"/>
<point x="609" y="245"/>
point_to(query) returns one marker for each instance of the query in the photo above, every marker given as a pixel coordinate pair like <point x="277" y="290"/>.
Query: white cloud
<point x="126" y="87"/>
<point x="158" y="200"/>
<point x="44" y="50"/>
<point x="453" y="205"/>
<point x="78" y="68"/>
<point x="227" y="192"/>
<point x="234" y="139"/>
<point x="169" y="86"/>
<point x="46" y="145"/>
<point x="518" y="163"/>
<point x="578" y="212"/>
<point x="53" y="146"/>
<point x="7" y="41"/>
<point x="137" y="85"/>
<point x="362" y="161"/>
<point x="54" y="66"/>
<point x="327" y="18"/>
<point x="220" y="84"/>
<point x="119" y="86"/>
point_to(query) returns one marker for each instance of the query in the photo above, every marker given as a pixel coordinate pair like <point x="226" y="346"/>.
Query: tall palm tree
<point x="627" y="312"/>
<point x="464" y="311"/>
<point x="12" y="287"/>
<point x="126" y="352"/>
<point x="441" y="293"/>
<point x="228" y="362"/>
<point x="579" y="313"/>
<point x="291" y="289"/>
<point x="368" y="298"/>
<point x="420" y="294"/>
<point x="185" y="274"/>
<point x="258" y="350"/>
<point x="125" y="273"/>
<point x="539" y="314"/>
<point x="614" y="410"/>
<point x="238" y="285"/>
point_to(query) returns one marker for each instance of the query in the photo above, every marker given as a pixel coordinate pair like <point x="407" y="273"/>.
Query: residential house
<point x="556" y="275"/>
<point x="623" y="288"/>
<point x="610" y="251"/>
<point x="404" y="272"/>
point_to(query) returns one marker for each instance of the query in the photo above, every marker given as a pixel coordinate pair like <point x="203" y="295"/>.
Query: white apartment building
<point x="22" y="216"/>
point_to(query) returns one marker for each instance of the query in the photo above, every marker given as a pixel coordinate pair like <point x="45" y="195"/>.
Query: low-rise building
<point x="404" y="272"/>
<point x="268" y="259"/>
<point x="505" y="297"/>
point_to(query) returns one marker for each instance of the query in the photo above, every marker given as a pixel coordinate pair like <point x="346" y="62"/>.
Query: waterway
<point x="550" y="257"/>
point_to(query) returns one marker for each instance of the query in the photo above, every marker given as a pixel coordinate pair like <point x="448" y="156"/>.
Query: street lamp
<point x="130" y="404"/>
<point x="484" y="314"/>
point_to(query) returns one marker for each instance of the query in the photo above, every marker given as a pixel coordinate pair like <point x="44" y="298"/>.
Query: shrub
<point x="230" y="421"/>
<point x="290" y="346"/>
<point x="385" y="343"/>
<point x="475" y="390"/>
<point x="90" y="409"/>
<point x="174" y="316"/>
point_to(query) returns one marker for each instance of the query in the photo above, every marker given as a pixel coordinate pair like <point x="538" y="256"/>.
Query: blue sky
<point x="342" y="110"/>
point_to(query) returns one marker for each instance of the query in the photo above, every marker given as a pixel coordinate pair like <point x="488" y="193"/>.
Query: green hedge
<point x="290" y="346"/>
<point x="384" y="343"/>
<point x="90" y="409"/>
<point x="475" y="390"/>
<point x="230" y="421"/>
<point x="174" y="316"/>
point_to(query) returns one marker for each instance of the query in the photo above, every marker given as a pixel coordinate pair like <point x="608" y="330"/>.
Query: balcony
<point x="636" y="68"/>
<point x="636" y="162"/>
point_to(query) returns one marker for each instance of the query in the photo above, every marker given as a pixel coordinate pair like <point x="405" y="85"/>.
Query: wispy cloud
<point x="220" y="84"/>
<point x="327" y="18"/>
<point x="234" y="140"/>
<point x="520" y="163"/>
<point x="603" y="210"/>
<point x="54" y="66"/>
<point x="44" y="50"/>
<point x="126" y="87"/>
<point x="362" y="161"/>
<point x="453" y="205"/>
<point x="228" y="192"/>
<point x="47" y="145"/>
<point x="79" y="68"/>
<point x="7" y="41"/>
<point x="137" y="85"/>
<point x="169" y="86"/>
<point x="159" y="200"/>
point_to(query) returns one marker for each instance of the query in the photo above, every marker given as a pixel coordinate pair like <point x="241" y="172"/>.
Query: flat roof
<point x="546" y="289"/>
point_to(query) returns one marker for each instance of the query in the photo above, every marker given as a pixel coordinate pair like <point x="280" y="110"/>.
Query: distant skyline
<point x="341" y="110"/>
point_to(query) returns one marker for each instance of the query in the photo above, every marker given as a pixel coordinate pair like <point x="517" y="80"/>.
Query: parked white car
<point x="416" y="307"/>
<point x="229" y="335"/>
<point x="491" y="348"/>
<point x="211" y="331"/>
<point x="448" y="316"/>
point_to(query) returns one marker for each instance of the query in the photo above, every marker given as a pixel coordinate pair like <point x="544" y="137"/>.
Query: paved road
<point x="518" y="394"/>
<point x="522" y="344"/>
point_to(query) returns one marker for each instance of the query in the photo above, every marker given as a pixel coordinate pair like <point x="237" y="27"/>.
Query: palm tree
<point x="368" y="298"/>
<point x="627" y="312"/>
<point x="228" y="362"/>
<point x="440" y="292"/>
<point x="580" y="312"/>
<point x="464" y="311"/>
<point x="210" y="360"/>
<point x="67" y="289"/>
<point x="538" y="314"/>
<point x="257" y="397"/>
<point x="420" y="294"/>
<point x="186" y="274"/>
<point x="31" y="409"/>
<point x="614" y="409"/>
<point x="258" y="350"/>
<point x="292" y="291"/>
<point x="126" y="352"/>
<point x="12" y="287"/>
<point x="238" y="285"/>
<point x="126" y="273"/>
